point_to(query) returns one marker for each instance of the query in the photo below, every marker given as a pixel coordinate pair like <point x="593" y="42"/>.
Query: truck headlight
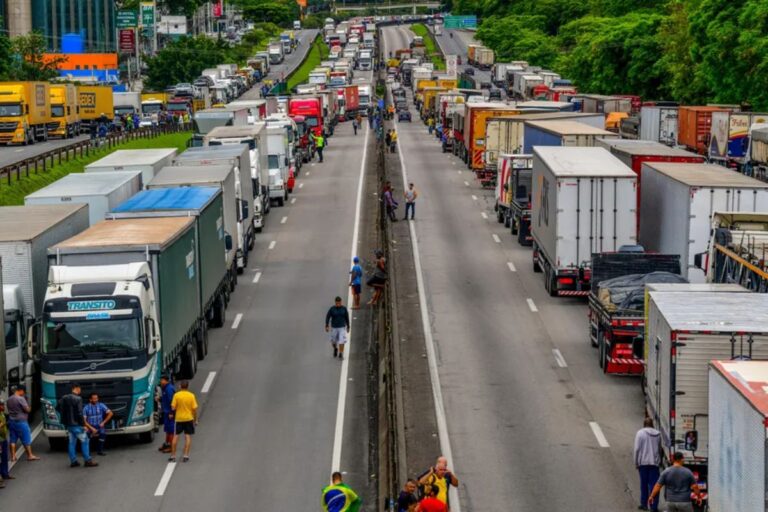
<point x="141" y="406"/>
<point x="50" y="411"/>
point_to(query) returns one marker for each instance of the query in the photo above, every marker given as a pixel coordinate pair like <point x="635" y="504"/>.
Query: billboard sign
<point x="127" y="40"/>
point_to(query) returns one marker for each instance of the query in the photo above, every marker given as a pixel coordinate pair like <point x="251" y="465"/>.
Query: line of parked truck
<point x="667" y="248"/>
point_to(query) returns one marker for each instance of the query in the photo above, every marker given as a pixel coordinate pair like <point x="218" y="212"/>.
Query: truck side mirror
<point x="26" y="109"/>
<point x="33" y="336"/>
<point x="228" y="242"/>
<point x="698" y="260"/>
<point x="245" y="209"/>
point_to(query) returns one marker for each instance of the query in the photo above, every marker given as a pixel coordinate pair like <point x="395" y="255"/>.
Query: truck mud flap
<point x="622" y="366"/>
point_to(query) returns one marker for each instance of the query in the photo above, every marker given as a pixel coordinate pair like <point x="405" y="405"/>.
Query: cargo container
<point x="635" y="152"/>
<point x="25" y="111"/>
<point x="738" y="428"/>
<point x="659" y="124"/>
<point x="114" y="320"/>
<point x="558" y="132"/>
<point x="148" y="161"/>
<point x="126" y="103"/>
<point x="583" y="202"/>
<point x="678" y="202"/>
<point x="95" y="102"/>
<point x="505" y="134"/>
<point x="686" y="331"/>
<point x="65" y="112"/>
<point x="472" y="145"/>
<point x="695" y="126"/>
<point x="472" y="52"/>
<point x="729" y="135"/>
<point x="604" y="104"/>
<point x="220" y="176"/>
<point x="484" y="58"/>
<point x="101" y="191"/>
<point x="513" y="195"/>
<point x="207" y="119"/>
<point x="23" y="251"/>
<point x="523" y="84"/>
<point x="758" y="147"/>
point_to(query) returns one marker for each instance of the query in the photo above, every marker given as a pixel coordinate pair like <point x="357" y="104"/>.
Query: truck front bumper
<point x="59" y="431"/>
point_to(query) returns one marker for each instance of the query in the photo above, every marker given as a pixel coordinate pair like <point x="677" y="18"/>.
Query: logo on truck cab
<point x="90" y="305"/>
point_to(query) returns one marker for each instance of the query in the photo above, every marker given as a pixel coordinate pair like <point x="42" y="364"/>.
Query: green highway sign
<point x="127" y="19"/>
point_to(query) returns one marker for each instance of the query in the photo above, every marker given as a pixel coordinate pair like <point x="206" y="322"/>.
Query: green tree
<point x="519" y="38"/>
<point x="280" y="12"/>
<point x="184" y="60"/>
<point x="6" y="57"/>
<point x="30" y="64"/>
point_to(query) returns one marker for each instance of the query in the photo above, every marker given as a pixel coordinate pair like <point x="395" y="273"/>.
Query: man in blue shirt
<point x="166" y="398"/>
<point x="97" y="415"/>
<point x="356" y="282"/>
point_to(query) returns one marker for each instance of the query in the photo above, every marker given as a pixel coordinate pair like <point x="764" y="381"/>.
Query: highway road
<point x="12" y="154"/>
<point x="271" y="427"/>
<point x="532" y="421"/>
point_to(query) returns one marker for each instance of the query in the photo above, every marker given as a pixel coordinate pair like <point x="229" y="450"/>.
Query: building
<point x="58" y="20"/>
<point x="17" y="16"/>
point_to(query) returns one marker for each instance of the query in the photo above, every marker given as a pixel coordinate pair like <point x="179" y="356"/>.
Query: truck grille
<point x="114" y="393"/>
<point x="8" y="126"/>
<point x="53" y="125"/>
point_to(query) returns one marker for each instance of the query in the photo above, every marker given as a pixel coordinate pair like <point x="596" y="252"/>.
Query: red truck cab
<point x="303" y="146"/>
<point x="311" y="109"/>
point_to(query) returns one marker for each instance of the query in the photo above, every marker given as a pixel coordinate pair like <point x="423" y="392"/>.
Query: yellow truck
<point x="152" y="103"/>
<point x="25" y="111"/>
<point x="95" y="101"/>
<point x="447" y="83"/>
<point x="428" y="100"/>
<point x="65" y="112"/>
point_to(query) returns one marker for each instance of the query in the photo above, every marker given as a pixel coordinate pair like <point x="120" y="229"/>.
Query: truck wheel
<point x="507" y="221"/>
<point x="601" y="351"/>
<point x="499" y="215"/>
<point x="513" y="226"/>
<point x="536" y="266"/>
<point x="552" y="279"/>
<point x="280" y="201"/>
<point x="200" y="344"/>
<point x="147" y="437"/>
<point x="219" y="313"/>
<point x="189" y="363"/>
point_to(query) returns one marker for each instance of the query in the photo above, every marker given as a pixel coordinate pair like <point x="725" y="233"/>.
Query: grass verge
<point x="432" y="51"/>
<point x="14" y="193"/>
<point x="317" y="54"/>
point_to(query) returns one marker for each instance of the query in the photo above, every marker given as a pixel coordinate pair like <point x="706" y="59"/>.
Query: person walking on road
<point x="337" y="323"/>
<point x="338" y="497"/>
<point x="356" y="282"/>
<point x="407" y="500"/>
<point x="410" y="200"/>
<point x="388" y="139"/>
<point x="393" y="141"/>
<point x="70" y="408"/>
<point x="354" y="125"/>
<point x="678" y="482"/>
<point x="440" y="477"/>
<point x="167" y="390"/>
<point x="430" y="124"/>
<point x="647" y="460"/>
<point x="97" y="415"/>
<point x="4" y="433"/>
<point x="18" y="423"/>
<point x="390" y="204"/>
<point x="184" y="412"/>
<point x="431" y="503"/>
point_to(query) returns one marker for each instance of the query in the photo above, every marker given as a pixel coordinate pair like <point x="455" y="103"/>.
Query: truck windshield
<point x="312" y="122"/>
<point x="177" y="107"/>
<point x="79" y="334"/>
<point x="10" y="109"/>
<point x="11" y="330"/>
<point x="273" y="161"/>
<point x="364" y="99"/>
<point x="122" y="111"/>
<point x="57" y="111"/>
<point x="151" y="108"/>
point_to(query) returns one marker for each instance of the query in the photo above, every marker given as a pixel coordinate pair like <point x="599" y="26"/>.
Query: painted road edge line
<point x="338" y="435"/>
<point x="559" y="358"/>
<point x="238" y="319"/>
<point x="496" y="238"/>
<point x="532" y="306"/>
<point x="208" y="382"/>
<point x="434" y="374"/>
<point x="256" y="277"/>
<point x="272" y="245"/>
<point x="511" y="266"/>
<point x="165" y="479"/>
<point x="601" y="440"/>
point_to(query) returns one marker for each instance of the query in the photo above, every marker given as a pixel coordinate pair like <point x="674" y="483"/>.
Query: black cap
<point x="21" y="387"/>
<point x="74" y="385"/>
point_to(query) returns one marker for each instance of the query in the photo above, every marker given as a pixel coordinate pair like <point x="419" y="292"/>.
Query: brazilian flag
<point x="340" y="498"/>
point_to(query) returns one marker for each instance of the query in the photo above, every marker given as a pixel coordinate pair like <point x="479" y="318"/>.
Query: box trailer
<point x="101" y="191"/>
<point x="513" y="195"/>
<point x="659" y="124"/>
<point x="729" y="135"/>
<point x="148" y="161"/>
<point x="604" y="104"/>
<point x="583" y="202"/>
<point x="557" y="132"/>
<point x="694" y="126"/>
<point x="738" y="429"/>
<point x="471" y="146"/>
<point x="678" y="203"/>
<point x="685" y="331"/>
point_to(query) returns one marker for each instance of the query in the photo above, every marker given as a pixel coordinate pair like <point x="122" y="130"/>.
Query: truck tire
<point x="536" y="266"/>
<point x="280" y="201"/>
<point x="499" y="215"/>
<point x="552" y="280"/>
<point x="147" y="437"/>
<point x="507" y="220"/>
<point x="200" y="344"/>
<point x="188" y="362"/>
<point x="219" y="313"/>
<point x="601" y="351"/>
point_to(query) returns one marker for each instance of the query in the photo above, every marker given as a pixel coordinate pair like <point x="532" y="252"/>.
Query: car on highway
<point x="404" y="115"/>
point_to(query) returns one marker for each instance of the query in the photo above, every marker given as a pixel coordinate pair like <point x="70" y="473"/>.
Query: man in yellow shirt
<point x="184" y="414"/>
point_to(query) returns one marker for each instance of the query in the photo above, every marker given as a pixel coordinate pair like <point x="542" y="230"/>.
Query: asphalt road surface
<point x="12" y="154"/>
<point x="533" y="422"/>
<point x="268" y="432"/>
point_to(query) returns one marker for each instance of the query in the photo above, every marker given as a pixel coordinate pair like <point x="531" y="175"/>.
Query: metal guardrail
<point x="44" y="161"/>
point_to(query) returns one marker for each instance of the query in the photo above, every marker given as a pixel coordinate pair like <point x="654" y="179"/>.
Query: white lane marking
<point x="496" y="238"/>
<point x="293" y="200"/>
<point x="459" y="171"/>
<point x="312" y="164"/>
<point x="18" y="150"/>
<point x="238" y="319"/>
<point x="308" y="173"/>
<point x="257" y="277"/>
<point x="301" y="185"/>
<point x="20" y="452"/>
<point x="511" y="266"/>
<point x="283" y="220"/>
<point x="532" y="305"/>
<point x="272" y="245"/>
<point x="474" y="197"/>
<point x="601" y="440"/>
<point x="434" y="374"/>
<point x="338" y="435"/>
<point x="484" y="215"/>
<point x="208" y="382"/>
<point x="559" y="358"/>
<point x="466" y="183"/>
<point x="165" y="479"/>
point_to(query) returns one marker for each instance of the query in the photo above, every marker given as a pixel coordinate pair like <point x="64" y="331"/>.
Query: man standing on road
<point x="393" y="141"/>
<point x="18" y="424"/>
<point x="319" y="145"/>
<point x="390" y="204"/>
<point x="166" y="397"/>
<point x="410" y="201"/>
<point x="337" y="323"/>
<point x="354" y="125"/>
<point x="440" y="477"/>
<point x="647" y="460"/>
<point x="338" y="497"/>
<point x="407" y="501"/>
<point x="4" y="474"/>
<point x="184" y="412"/>
<point x="97" y="415"/>
<point x="70" y="409"/>
<point x="356" y="282"/>
<point x="679" y="482"/>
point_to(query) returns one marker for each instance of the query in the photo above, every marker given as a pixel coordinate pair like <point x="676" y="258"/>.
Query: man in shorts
<point x="184" y="413"/>
<point x="356" y="282"/>
<point x="18" y="423"/>
<point x="337" y="323"/>
<point x="169" y="426"/>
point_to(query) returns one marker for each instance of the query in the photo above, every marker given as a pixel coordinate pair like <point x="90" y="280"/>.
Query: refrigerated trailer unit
<point x="659" y="124"/>
<point x="678" y="203"/>
<point x="583" y="202"/>
<point x="148" y="161"/>
<point x="558" y="132"/>
<point x="513" y="195"/>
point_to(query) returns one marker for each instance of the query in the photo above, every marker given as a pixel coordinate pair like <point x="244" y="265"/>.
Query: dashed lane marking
<point x="165" y="479"/>
<point x="532" y="305"/>
<point x="257" y="277"/>
<point x="601" y="440"/>
<point x="559" y="358"/>
<point x="272" y="245"/>
<point x="208" y="382"/>
<point x="283" y="220"/>
<point x="511" y="266"/>
<point x="496" y="238"/>
<point x="236" y="323"/>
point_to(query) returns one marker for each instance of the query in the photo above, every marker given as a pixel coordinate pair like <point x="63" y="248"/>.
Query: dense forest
<point x="692" y="51"/>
